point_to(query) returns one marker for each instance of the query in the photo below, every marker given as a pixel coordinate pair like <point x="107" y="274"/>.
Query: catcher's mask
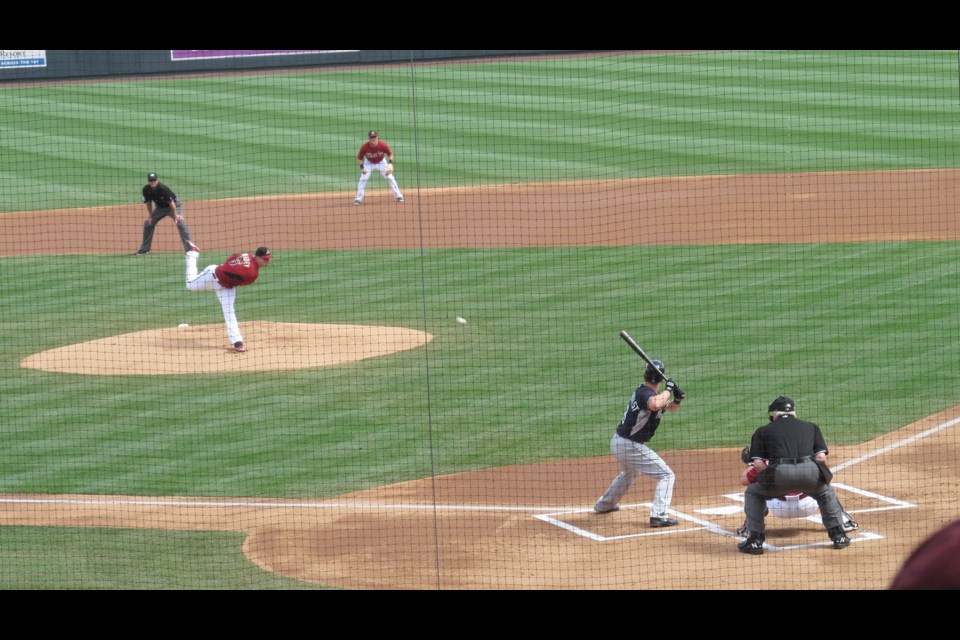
<point x="654" y="371"/>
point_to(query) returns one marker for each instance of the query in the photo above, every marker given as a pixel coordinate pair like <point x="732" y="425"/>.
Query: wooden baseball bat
<point x="633" y="345"/>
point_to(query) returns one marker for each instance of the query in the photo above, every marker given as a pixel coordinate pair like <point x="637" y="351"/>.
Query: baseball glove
<point x="389" y="170"/>
<point x="745" y="455"/>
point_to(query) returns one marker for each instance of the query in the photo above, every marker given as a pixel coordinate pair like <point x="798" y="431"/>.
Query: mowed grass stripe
<point x="539" y="360"/>
<point x="602" y="117"/>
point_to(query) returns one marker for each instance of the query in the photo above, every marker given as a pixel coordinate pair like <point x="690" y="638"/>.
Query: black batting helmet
<point x="654" y="371"/>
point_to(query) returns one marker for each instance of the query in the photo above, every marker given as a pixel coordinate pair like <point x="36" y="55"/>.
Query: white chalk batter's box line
<point x="859" y="536"/>
<point x="706" y="525"/>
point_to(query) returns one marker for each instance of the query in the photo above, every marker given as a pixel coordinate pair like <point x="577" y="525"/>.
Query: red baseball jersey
<point x="374" y="153"/>
<point x="240" y="269"/>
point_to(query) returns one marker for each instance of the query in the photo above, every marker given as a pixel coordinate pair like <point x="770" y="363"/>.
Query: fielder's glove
<point x="745" y="455"/>
<point x="389" y="170"/>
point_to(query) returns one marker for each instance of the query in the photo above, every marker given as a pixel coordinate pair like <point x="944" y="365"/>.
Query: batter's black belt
<point x="794" y="460"/>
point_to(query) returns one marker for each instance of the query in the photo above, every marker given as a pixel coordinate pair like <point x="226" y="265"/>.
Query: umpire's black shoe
<point x="839" y="538"/>
<point x="663" y="522"/>
<point x="753" y="544"/>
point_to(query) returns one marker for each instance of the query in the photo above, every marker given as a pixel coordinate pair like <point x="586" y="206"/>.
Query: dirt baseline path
<point x="775" y="208"/>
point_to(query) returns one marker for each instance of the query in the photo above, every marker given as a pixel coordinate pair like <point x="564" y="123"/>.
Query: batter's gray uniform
<point x="634" y="457"/>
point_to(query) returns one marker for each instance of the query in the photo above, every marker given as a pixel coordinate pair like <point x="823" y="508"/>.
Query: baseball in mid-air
<point x="182" y="325"/>
<point x="461" y="320"/>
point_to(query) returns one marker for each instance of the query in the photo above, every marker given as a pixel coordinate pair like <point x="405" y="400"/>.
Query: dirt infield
<point x="807" y="207"/>
<point x="531" y="526"/>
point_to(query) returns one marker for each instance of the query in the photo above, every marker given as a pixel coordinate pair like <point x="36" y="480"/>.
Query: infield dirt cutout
<point x="531" y="526"/>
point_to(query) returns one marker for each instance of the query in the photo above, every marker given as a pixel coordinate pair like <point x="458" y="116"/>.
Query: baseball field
<point x="765" y="223"/>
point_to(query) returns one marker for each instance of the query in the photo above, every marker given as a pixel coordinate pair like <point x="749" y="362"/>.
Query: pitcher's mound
<point x="271" y="346"/>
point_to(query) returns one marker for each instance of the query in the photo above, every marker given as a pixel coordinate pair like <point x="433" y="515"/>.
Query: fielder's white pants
<point x="207" y="281"/>
<point x="635" y="458"/>
<point x="382" y="168"/>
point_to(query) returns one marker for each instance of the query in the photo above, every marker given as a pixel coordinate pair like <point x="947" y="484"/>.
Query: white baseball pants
<point x="382" y="168"/>
<point x="206" y="280"/>
<point x="792" y="507"/>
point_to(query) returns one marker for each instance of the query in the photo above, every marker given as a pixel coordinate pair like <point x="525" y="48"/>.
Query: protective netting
<point x="429" y="388"/>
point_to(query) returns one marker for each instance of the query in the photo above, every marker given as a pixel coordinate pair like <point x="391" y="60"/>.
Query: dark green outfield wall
<point x="62" y="64"/>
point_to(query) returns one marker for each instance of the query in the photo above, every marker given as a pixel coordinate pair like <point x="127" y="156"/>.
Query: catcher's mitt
<point x="745" y="455"/>
<point x="389" y="170"/>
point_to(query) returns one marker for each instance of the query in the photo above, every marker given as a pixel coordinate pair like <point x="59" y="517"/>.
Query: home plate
<point x="721" y="511"/>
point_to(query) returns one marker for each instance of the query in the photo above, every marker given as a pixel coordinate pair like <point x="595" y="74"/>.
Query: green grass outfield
<point x="95" y="558"/>
<point x="91" y="143"/>
<point x="538" y="373"/>
<point x="864" y="336"/>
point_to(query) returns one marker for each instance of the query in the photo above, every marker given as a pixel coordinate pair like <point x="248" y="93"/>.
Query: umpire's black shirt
<point x="162" y="196"/>
<point x="787" y="437"/>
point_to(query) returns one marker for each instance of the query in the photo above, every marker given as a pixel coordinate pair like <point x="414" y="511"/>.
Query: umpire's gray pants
<point x="635" y="458"/>
<point x="787" y="478"/>
<point x="159" y="213"/>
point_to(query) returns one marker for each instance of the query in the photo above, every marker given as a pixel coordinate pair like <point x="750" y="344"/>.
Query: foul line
<point x="283" y="505"/>
<point x="897" y="445"/>
<point x="547" y="512"/>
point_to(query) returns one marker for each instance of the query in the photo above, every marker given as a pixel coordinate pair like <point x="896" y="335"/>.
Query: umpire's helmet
<point x="782" y="406"/>
<point x="654" y="371"/>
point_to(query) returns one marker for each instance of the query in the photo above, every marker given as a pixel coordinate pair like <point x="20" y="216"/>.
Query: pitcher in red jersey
<point x="239" y="270"/>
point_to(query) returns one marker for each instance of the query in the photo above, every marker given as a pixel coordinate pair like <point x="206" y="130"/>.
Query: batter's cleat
<point x="400" y="199"/>
<point x="239" y="347"/>
<point x="356" y="203"/>
<point x="849" y="524"/>
<point x="192" y="247"/>
<point x="140" y="252"/>
<point x="741" y="530"/>
<point x="610" y="510"/>
<point x="656" y="522"/>
<point x="840" y="539"/>
<point x="753" y="544"/>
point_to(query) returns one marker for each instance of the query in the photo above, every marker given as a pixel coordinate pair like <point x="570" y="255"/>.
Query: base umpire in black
<point x="167" y="204"/>
<point x="797" y="453"/>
